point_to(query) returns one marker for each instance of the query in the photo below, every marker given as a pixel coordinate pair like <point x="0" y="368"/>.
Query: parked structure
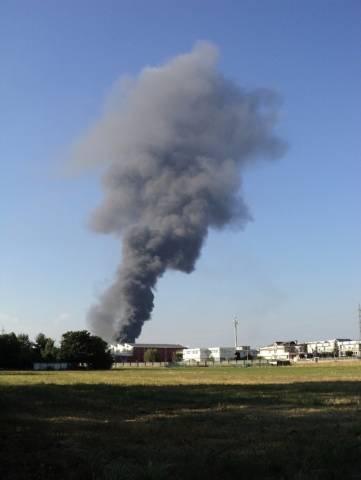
<point x="134" y="352"/>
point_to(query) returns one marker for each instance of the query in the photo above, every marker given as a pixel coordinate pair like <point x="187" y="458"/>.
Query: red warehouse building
<point x="134" y="352"/>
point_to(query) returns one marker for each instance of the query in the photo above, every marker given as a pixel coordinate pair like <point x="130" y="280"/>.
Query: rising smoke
<point x="173" y="149"/>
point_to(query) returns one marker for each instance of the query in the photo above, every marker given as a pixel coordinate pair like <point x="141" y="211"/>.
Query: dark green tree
<point x="45" y="348"/>
<point x="26" y="351"/>
<point x="99" y="356"/>
<point x="80" y="348"/>
<point x="9" y="350"/>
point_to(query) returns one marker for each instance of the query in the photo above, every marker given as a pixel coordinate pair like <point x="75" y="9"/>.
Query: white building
<point x="325" y="348"/>
<point x="282" y="351"/>
<point x="196" y="354"/>
<point x="122" y="350"/>
<point x="219" y="354"/>
<point x="349" y="348"/>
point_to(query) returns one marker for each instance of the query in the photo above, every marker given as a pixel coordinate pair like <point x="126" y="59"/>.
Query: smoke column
<point x="173" y="147"/>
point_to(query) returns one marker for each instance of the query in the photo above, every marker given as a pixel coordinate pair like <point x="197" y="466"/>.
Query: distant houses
<point x="349" y="348"/>
<point x="294" y="351"/>
<point x="279" y="352"/>
<point x="337" y="347"/>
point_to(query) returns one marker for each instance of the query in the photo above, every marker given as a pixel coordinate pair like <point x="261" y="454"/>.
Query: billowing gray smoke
<point x="173" y="148"/>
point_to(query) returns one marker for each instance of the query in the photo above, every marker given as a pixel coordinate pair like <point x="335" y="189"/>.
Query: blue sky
<point x="294" y="272"/>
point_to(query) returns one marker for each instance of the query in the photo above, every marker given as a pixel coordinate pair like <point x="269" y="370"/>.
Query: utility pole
<point x="235" y="332"/>
<point x="359" y="326"/>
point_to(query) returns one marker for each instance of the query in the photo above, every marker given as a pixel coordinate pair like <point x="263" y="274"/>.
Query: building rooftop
<point x="156" y="345"/>
<point x="288" y="342"/>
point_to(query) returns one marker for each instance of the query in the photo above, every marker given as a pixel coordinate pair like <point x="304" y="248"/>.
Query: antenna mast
<point x="359" y="321"/>
<point x="236" y="334"/>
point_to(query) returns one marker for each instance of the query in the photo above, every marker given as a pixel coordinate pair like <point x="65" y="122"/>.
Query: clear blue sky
<point x="295" y="272"/>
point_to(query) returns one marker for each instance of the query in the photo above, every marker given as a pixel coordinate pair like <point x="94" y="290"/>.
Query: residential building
<point x="282" y="351"/>
<point x="349" y="348"/>
<point x="324" y="348"/>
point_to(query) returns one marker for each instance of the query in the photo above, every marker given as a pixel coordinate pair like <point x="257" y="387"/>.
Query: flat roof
<point x="156" y="345"/>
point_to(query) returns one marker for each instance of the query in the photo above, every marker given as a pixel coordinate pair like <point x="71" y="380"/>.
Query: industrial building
<point x="218" y="354"/>
<point x="196" y="354"/>
<point x="134" y="352"/>
<point x="215" y="354"/>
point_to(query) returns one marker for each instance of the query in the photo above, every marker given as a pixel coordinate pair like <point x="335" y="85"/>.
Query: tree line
<point x="78" y="348"/>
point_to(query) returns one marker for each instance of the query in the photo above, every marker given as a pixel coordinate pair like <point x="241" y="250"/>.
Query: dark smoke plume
<point x="173" y="149"/>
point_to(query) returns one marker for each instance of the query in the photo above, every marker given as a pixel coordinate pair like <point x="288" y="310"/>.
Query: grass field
<point x="182" y="423"/>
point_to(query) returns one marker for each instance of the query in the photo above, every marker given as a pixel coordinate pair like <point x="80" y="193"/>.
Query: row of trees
<point x="80" y="349"/>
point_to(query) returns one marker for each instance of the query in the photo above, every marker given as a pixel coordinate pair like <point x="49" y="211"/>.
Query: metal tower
<point x="235" y="332"/>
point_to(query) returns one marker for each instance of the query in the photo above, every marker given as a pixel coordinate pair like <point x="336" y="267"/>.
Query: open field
<point x="299" y="422"/>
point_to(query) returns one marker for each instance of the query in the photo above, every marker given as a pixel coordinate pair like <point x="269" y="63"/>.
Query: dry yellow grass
<point x="328" y="371"/>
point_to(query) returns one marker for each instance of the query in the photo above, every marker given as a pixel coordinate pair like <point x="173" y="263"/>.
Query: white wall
<point x="222" y="353"/>
<point x="196" y="354"/>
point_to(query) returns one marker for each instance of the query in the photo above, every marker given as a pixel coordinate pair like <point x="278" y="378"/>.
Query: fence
<point x="208" y="363"/>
